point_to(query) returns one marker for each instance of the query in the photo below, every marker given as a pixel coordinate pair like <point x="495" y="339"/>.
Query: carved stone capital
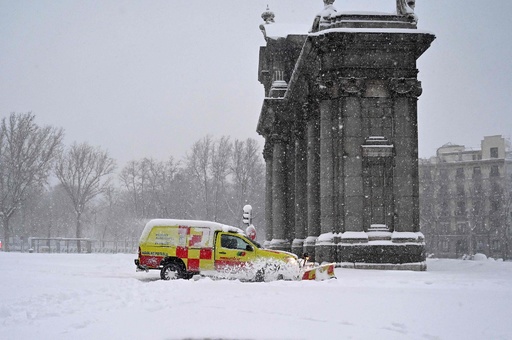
<point x="299" y="130"/>
<point x="280" y="136"/>
<point x="405" y="87"/>
<point x="268" y="150"/>
<point x="325" y="88"/>
<point x="352" y="86"/>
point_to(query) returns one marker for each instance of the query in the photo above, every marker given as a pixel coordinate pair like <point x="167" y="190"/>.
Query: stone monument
<point x="339" y="120"/>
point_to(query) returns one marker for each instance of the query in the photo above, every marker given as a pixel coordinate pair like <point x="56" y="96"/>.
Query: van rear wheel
<point x="171" y="271"/>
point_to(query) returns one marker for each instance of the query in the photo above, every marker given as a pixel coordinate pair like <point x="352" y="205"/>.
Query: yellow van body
<point x="182" y="248"/>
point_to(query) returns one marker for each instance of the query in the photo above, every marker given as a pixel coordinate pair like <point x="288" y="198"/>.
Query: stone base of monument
<point x="389" y="254"/>
<point x="375" y="249"/>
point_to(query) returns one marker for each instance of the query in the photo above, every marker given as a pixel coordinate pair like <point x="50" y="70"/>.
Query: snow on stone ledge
<point x="370" y="30"/>
<point x="310" y="240"/>
<point x="326" y="239"/>
<point x="404" y="236"/>
<point x="276" y="31"/>
<point x="354" y="235"/>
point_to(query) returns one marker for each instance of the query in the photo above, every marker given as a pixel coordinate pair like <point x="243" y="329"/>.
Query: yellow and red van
<point x="183" y="248"/>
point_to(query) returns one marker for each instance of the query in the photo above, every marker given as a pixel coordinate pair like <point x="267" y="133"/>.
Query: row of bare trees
<point x="48" y="190"/>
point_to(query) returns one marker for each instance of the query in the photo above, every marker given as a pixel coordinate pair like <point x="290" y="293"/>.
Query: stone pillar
<point x="301" y="176"/>
<point x="352" y="162"/>
<point x="279" y="194"/>
<point x="268" y="157"/>
<point x="405" y="178"/>
<point x="325" y="249"/>
<point x="290" y="180"/>
<point x="327" y="165"/>
<point x="313" y="183"/>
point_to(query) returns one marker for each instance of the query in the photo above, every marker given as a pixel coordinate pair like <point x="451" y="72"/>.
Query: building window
<point x="461" y="227"/>
<point x="477" y="207"/>
<point x="460" y="190"/>
<point x="477" y="172"/>
<point x="495" y="171"/>
<point x="459" y="173"/>
<point x="461" y="208"/>
<point x="443" y="228"/>
<point x="445" y="245"/>
<point x="480" y="246"/>
<point x="494" y="152"/>
<point x="495" y="245"/>
<point x="495" y="205"/>
<point x="443" y="174"/>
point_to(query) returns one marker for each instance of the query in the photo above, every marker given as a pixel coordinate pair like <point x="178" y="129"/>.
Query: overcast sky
<point x="149" y="78"/>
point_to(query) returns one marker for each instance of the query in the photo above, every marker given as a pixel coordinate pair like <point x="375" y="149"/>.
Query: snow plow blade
<point x="320" y="273"/>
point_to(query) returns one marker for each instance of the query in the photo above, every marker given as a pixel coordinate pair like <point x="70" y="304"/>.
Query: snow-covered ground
<point x="100" y="296"/>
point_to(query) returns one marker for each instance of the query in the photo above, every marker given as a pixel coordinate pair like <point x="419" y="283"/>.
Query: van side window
<point x="233" y="242"/>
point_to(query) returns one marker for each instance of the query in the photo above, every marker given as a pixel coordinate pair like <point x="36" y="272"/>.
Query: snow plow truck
<point x="184" y="248"/>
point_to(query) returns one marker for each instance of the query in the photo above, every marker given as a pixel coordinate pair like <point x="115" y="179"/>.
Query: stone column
<point x="327" y="166"/>
<point x="268" y="156"/>
<point x="352" y="162"/>
<point x="405" y="177"/>
<point x="279" y="194"/>
<point x="313" y="183"/>
<point x="290" y="185"/>
<point x="301" y="166"/>
<point x="325" y="249"/>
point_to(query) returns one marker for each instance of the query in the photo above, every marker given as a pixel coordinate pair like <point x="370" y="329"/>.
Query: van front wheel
<point x="171" y="271"/>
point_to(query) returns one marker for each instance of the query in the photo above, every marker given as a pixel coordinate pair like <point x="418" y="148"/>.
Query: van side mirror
<point x="249" y="248"/>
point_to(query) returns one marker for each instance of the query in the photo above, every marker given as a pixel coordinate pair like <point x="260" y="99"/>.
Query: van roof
<point x="162" y="222"/>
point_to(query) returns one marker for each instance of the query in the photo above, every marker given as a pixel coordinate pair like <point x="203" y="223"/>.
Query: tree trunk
<point x="79" y="231"/>
<point x="7" y="233"/>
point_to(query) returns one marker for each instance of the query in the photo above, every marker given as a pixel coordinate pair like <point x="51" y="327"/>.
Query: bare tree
<point x="220" y="164"/>
<point x="198" y="164"/>
<point x="26" y="155"/>
<point x="169" y="198"/>
<point x="247" y="171"/>
<point x="150" y="186"/>
<point x="81" y="171"/>
<point x="131" y="179"/>
<point x="112" y="220"/>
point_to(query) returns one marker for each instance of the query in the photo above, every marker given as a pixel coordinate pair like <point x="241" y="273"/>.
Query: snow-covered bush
<point x="479" y="257"/>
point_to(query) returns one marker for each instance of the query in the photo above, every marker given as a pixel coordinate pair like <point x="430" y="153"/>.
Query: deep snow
<point x="100" y="296"/>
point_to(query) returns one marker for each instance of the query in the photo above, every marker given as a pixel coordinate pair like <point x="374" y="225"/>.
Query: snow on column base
<point x="280" y="244"/>
<point x="298" y="247"/>
<point x="325" y="248"/>
<point x="309" y="247"/>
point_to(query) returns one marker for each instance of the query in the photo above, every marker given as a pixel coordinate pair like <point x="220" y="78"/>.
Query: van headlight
<point x="291" y="260"/>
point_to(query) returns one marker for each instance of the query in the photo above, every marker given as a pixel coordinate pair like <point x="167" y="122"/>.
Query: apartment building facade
<point x="465" y="200"/>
